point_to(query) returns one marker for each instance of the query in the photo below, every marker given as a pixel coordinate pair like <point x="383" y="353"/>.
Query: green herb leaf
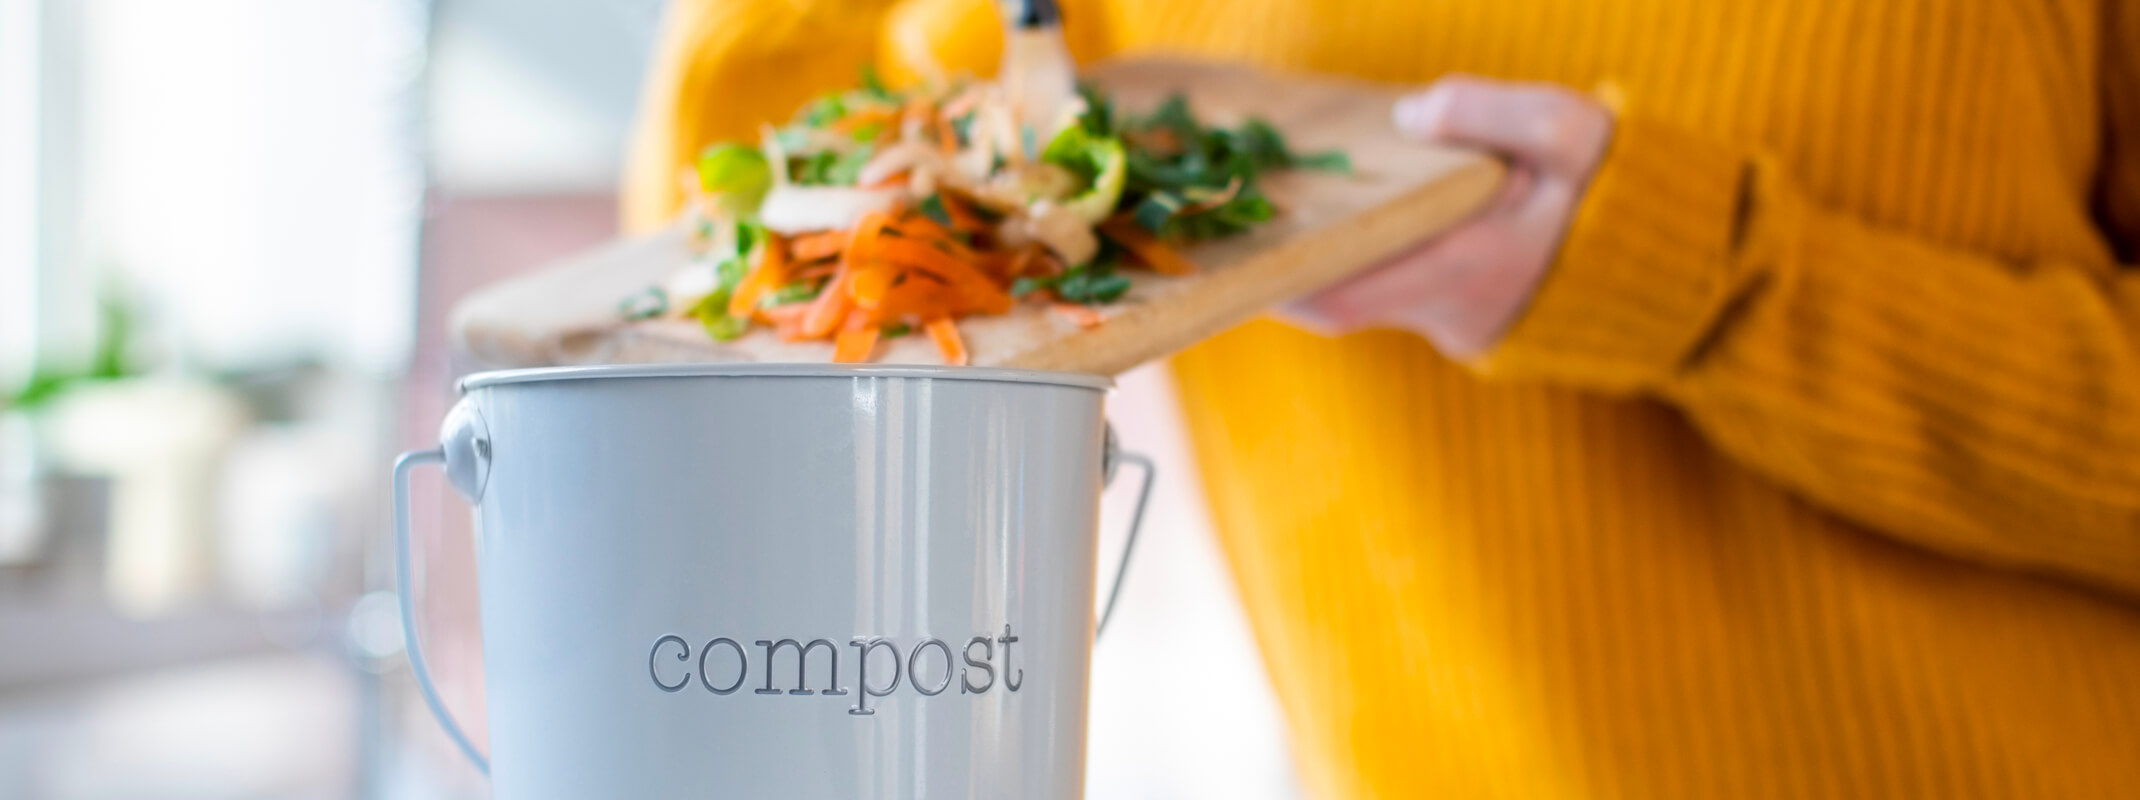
<point x="823" y="111"/>
<point x="847" y="168"/>
<point x="895" y="330"/>
<point x="812" y="169"/>
<point x="1074" y="284"/>
<point x="797" y="292"/>
<point x="1245" y="210"/>
<point x="872" y="85"/>
<point x="933" y="208"/>
<point x="1330" y="160"/>
<point x="1156" y="210"/>
<point x="748" y="235"/>
<point x="1178" y="164"/>
<point x="1090" y="283"/>
<point x="1098" y="118"/>
<point x="1106" y="288"/>
<point x="867" y="133"/>
<point x="1025" y="284"/>
<point x="962" y="127"/>
<point x="1173" y="115"/>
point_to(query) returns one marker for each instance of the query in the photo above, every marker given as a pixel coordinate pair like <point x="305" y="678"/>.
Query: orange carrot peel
<point x="1146" y="247"/>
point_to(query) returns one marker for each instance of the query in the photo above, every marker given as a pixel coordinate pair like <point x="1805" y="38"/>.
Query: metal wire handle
<point x="1114" y="458"/>
<point x="408" y="461"/>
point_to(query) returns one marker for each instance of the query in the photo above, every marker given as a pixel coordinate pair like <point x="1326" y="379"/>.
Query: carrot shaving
<point x="770" y="271"/>
<point x="902" y="266"/>
<point x="920" y="296"/>
<point x="920" y="226"/>
<point x="1146" y="247"/>
<point x="834" y="302"/>
<point x="830" y="307"/>
<point x="946" y="335"/>
<point x="947" y="139"/>
<point x="1020" y="262"/>
<point x="975" y="286"/>
<point x="856" y="340"/>
<point x="813" y="272"/>
<point x="792" y="312"/>
<point x="813" y="246"/>
<point x="962" y="215"/>
<point x="872" y="283"/>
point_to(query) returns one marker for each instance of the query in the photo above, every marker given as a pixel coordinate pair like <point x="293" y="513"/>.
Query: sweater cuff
<point x="1644" y="271"/>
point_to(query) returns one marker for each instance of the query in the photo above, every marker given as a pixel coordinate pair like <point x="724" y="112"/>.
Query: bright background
<point x="229" y="233"/>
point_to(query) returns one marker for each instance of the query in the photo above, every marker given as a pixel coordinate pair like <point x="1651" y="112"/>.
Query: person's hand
<point x="1462" y="289"/>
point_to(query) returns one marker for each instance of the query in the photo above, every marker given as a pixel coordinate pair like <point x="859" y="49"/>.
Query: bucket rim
<point x="504" y="377"/>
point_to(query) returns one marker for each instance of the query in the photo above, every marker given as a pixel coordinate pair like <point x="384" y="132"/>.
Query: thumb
<point x="1554" y="128"/>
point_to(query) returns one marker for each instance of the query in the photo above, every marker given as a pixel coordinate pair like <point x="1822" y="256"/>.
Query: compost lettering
<point x="929" y="667"/>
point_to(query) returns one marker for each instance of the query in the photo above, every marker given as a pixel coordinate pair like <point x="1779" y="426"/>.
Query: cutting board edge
<point x="1274" y="276"/>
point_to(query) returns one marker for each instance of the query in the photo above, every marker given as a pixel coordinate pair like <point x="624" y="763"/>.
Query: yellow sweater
<point x="1812" y="471"/>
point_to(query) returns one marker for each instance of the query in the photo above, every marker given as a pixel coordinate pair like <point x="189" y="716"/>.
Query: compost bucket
<point x="779" y="580"/>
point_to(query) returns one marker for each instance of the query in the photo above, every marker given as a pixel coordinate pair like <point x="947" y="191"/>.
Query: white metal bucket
<point x="779" y="580"/>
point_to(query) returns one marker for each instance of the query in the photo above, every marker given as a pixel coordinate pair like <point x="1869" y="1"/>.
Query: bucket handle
<point x="1113" y="457"/>
<point x="402" y="466"/>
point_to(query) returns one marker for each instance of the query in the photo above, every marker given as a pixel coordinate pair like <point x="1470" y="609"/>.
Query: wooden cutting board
<point x="1329" y="226"/>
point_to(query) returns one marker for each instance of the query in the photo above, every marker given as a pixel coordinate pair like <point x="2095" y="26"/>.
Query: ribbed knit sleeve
<point x="723" y="66"/>
<point x="1985" y="408"/>
<point x="2118" y="197"/>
